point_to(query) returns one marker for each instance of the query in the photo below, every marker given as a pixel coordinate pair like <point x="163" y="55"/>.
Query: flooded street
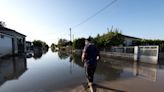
<point x="58" y="71"/>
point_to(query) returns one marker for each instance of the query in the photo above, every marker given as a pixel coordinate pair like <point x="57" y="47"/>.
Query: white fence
<point x="148" y="54"/>
<point x="125" y="52"/>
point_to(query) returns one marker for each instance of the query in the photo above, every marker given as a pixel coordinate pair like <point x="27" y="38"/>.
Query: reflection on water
<point x="36" y="53"/>
<point x="133" y="69"/>
<point x="145" y="71"/>
<point x="52" y="74"/>
<point x="103" y="69"/>
<point x="116" y="69"/>
<point x="12" y="68"/>
<point x="53" y="49"/>
<point x="63" y="55"/>
<point x="76" y="58"/>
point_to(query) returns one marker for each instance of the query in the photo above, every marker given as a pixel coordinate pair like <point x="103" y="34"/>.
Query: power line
<point x="108" y="5"/>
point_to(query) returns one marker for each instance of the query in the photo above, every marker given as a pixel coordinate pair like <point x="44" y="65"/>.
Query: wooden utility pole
<point x="70" y="34"/>
<point x="71" y="38"/>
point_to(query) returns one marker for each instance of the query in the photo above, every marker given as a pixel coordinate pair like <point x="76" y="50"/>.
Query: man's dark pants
<point x="90" y="70"/>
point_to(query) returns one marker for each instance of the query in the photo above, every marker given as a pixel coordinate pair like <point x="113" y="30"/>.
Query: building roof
<point x="131" y="37"/>
<point x="3" y="29"/>
<point x="28" y="42"/>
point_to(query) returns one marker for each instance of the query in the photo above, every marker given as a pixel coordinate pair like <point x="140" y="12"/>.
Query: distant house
<point x="28" y="46"/>
<point x="11" y="41"/>
<point x="128" y="40"/>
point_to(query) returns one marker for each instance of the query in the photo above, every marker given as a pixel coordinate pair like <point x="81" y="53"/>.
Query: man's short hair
<point x="89" y="39"/>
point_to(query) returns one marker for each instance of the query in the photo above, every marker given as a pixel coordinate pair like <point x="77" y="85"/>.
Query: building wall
<point x="146" y="54"/>
<point x="5" y="44"/>
<point x="128" y="41"/>
<point x="24" y="43"/>
<point x="16" y="37"/>
<point x="28" y="46"/>
<point x="17" y="40"/>
<point x="15" y="46"/>
<point x="20" y="40"/>
<point x="15" y="43"/>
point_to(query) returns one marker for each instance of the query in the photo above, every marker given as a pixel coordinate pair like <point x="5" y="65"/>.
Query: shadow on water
<point x="12" y="68"/>
<point x="95" y="86"/>
<point x="98" y="86"/>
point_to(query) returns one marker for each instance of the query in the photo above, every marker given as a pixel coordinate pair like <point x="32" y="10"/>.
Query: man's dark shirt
<point x="91" y="53"/>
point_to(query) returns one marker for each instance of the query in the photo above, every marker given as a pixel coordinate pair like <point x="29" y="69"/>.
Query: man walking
<point x="90" y="56"/>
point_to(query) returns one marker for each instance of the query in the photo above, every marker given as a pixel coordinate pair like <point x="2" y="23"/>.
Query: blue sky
<point x="49" y="20"/>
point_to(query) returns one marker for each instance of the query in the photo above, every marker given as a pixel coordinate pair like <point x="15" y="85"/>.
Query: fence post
<point x="158" y="53"/>
<point x="136" y="53"/>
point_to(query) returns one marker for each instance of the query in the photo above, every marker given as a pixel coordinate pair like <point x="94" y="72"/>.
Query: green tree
<point x="79" y="43"/>
<point x="53" y="45"/>
<point x="37" y="43"/>
<point x="2" y="24"/>
<point x="62" y="42"/>
<point x="148" y="42"/>
<point x="40" y="44"/>
<point x="111" y="38"/>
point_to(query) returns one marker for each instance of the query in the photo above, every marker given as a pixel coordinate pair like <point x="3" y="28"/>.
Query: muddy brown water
<point x="59" y="71"/>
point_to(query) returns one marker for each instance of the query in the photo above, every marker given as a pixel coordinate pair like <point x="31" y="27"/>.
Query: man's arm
<point x="97" y="58"/>
<point x="83" y="57"/>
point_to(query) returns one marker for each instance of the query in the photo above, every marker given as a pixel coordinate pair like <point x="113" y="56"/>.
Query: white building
<point x="11" y="42"/>
<point x="28" y="46"/>
<point x="5" y="44"/>
<point x="128" y="40"/>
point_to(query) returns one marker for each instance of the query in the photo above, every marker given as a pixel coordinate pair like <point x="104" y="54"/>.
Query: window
<point x="2" y="36"/>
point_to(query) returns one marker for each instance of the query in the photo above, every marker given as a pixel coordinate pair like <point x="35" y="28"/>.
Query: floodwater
<point x="59" y="71"/>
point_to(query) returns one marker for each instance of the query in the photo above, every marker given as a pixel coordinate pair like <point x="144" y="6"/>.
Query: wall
<point x="5" y="44"/>
<point x="147" y="54"/>
<point x="16" y="37"/>
<point x="122" y="52"/>
<point x="128" y="41"/>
